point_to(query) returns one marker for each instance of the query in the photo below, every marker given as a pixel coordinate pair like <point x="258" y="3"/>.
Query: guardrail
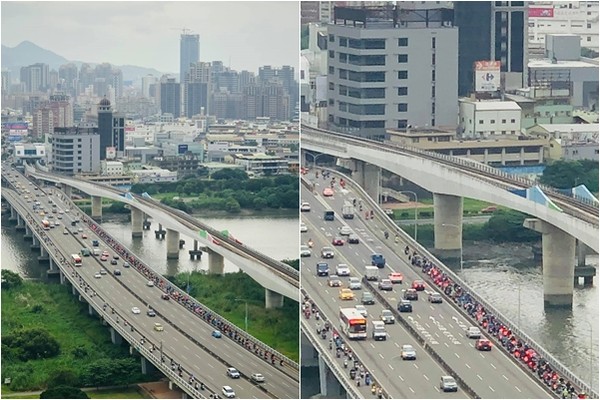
<point x="423" y="252"/>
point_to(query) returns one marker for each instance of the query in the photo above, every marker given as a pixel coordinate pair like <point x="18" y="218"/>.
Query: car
<point x="95" y="243"/>
<point x="385" y="284"/>
<point x="106" y="253"/>
<point x="125" y="265"/>
<point x="418" y="285"/>
<point x="103" y="272"/>
<point x="354" y="283"/>
<point x="327" y="252"/>
<point x="434" y="297"/>
<point x="80" y="229"/>
<point x="305" y="251"/>
<point x="483" y="345"/>
<point x="258" y="378"/>
<point x="42" y="213"/>
<point x="396" y="277"/>
<point x="83" y="235"/>
<point x="404" y="306"/>
<point x="115" y="257"/>
<point x="448" y="384"/>
<point x="337" y="241"/>
<point x="305" y="206"/>
<point x="342" y="270"/>
<point x="387" y="317"/>
<point x="216" y="334"/>
<point x="65" y="232"/>
<point x="345" y="230"/>
<point x="361" y="309"/>
<point x="150" y="283"/>
<point x="367" y="298"/>
<point x="165" y="296"/>
<point x="117" y="272"/>
<point x="346" y="294"/>
<point x="97" y="275"/>
<point x="158" y="327"/>
<point x="303" y="227"/>
<point x="327" y="192"/>
<point x="135" y="310"/>
<point x="151" y="313"/>
<point x="113" y="262"/>
<point x="59" y="217"/>
<point x="322" y="269"/>
<point x="103" y="258"/>
<point x="228" y="392"/>
<point x="353" y="238"/>
<point x="408" y="352"/>
<point x="473" y="332"/>
<point x="233" y="373"/>
<point x="411" y="294"/>
<point x="334" y="281"/>
<point x="489" y="210"/>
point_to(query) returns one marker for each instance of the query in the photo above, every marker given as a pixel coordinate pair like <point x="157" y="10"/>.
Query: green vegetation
<point x="86" y="357"/>
<point x="10" y="279"/>
<point x="123" y="393"/>
<point x="503" y="226"/>
<point x="276" y="327"/>
<point x="568" y="174"/>
<point x="64" y="392"/>
<point x="585" y="52"/>
<point x="470" y="207"/>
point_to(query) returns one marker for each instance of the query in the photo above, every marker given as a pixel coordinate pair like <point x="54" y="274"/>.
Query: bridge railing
<point x="423" y="252"/>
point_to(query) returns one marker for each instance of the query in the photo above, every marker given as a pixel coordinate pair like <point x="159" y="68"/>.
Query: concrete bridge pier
<point x="368" y="177"/>
<point x="115" y="337"/>
<point x="68" y="190"/>
<point x="216" y="262"/>
<point x="195" y="253"/>
<point x="447" y="221"/>
<point x="172" y="244"/>
<point x="35" y="243"/>
<point x="558" y="253"/>
<point x="308" y="353"/>
<point x="13" y="213"/>
<point x="137" y="221"/>
<point x="147" y="366"/>
<point x="44" y="256"/>
<point x="97" y="208"/>
<point x="91" y="310"/>
<point x="53" y="270"/>
<point x="273" y="299"/>
<point x="20" y="223"/>
<point x="63" y="279"/>
<point x="330" y="387"/>
<point x="74" y="291"/>
<point x="587" y="272"/>
<point x="147" y="224"/>
<point x="160" y="233"/>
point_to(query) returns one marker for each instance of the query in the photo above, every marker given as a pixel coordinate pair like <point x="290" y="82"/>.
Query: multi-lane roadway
<point x="489" y="374"/>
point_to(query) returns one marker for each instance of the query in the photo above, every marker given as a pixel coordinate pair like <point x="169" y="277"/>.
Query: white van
<point x="96" y="251"/>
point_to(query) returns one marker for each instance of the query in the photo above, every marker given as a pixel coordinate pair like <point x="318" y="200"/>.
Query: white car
<point x="134" y="310"/>
<point x="473" y="333"/>
<point x="228" y="392"/>
<point x="303" y="227"/>
<point x="256" y="377"/>
<point x="97" y="275"/>
<point x="150" y="283"/>
<point x="305" y="207"/>
<point x="361" y="309"/>
<point x="354" y="283"/>
<point x="305" y="251"/>
<point x="342" y="270"/>
<point x="345" y="230"/>
<point x="408" y="352"/>
<point x="233" y="373"/>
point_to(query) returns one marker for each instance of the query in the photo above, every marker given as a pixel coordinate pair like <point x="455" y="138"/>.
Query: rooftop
<point x="492" y="105"/>
<point x="576" y="128"/>
<point x="547" y="63"/>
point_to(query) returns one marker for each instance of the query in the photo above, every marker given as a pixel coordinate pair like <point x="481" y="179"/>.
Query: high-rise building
<point x="266" y="100"/>
<point x="197" y="89"/>
<point x="390" y="68"/>
<point x="68" y="78"/>
<point x="6" y="83"/>
<point x="146" y="82"/>
<point x="491" y="30"/>
<point x="189" y="53"/>
<point x="170" y="97"/>
<point x="35" y="77"/>
<point x="111" y="128"/>
<point x="74" y="150"/>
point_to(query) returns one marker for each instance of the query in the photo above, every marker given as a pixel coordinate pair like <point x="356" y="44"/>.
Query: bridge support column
<point x="28" y="233"/>
<point x="137" y="221"/>
<point x="147" y="366"/>
<point x="115" y="337"/>
<point x="558" y="253"/>
<point x="172" y="244"/>
<point x="35" y="243"/>
<point x="216" y="262"/>
<point x="74" y="291"/>
<point x="308" y="353"/>
<point x="273" y="299"/>
<point x="20" y="223"/>
<point x="330" y="387"/>
<point x="447" y="220"/>
<point x="91" y="310"/>
<point x="13" y="213"/>
<point x="368" y="177"/>
<point x="581" y="269"/>
<point x="196" y="253"/>
<point x="63" y="279"/>
<point x="44" y="256"/>
<point x="97" y="208"/>
<point x="160" y="233"/>
<point x="68" y="190"/>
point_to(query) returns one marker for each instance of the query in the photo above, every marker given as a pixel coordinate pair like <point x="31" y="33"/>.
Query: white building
<point x="111" y="167"/>
<point x="29" y="151"/>
<point x="262" y="164"/>
<point x="480" y="119"/>
<point x="153" y="175"/>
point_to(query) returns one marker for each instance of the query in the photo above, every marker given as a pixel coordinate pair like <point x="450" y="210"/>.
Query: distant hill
<point x="27" y="53"/>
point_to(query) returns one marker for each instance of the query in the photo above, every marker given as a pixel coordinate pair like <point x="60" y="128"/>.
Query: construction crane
<point x="184" y="31"/>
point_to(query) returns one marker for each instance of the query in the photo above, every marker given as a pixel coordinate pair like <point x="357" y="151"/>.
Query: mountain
<point x="27" y="53"/>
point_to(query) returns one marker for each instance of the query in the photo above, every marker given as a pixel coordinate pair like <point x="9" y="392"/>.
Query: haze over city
<point x="147" y="33"/>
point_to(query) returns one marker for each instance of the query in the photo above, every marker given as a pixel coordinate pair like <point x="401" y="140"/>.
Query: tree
<point x="568" y="174"/>
<point x="10" y="279"/>
<point x="62" y="377"/>
<point x="232" y="206"/>
<point x="64" y="392"/>
<point x="31" y="344"/>
<point x="507" y="226"/>
<point x="229" y="173"/>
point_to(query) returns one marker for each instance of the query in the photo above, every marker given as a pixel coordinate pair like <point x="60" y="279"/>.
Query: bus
<point x="76" y="259"/>
<point x="353" y="323"/>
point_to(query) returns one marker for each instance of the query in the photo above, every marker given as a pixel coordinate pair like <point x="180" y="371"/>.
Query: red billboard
<point x="541" y="12"/>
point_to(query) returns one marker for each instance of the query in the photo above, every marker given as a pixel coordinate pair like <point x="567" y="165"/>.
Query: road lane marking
<point x="480" y="378"/>
<point x="416" y="366"/>
<point x="518" y="389"/>
<point x="411" y="389"/>
<point x="468" y="366"/>
<point x="372" y="345"/>
<point x="504" y="376"/>
<point x="446" y="344"/>
<point x="381" y="355"/>
<point x="397" y="345"/>
<point x="493" y="366"/>
<point x="456" y="354"/>
<point x="491" y="388"/>
<point x="390" y="365"/>
<point x="425" y="376"/>
<point x="401" y="378"/>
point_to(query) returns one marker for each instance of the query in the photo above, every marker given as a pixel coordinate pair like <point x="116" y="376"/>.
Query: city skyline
<point x="231" y="37"/>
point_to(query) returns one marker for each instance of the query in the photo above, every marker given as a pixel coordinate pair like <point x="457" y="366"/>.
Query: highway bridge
<point x="437" y="331"/>
<point x="561" y="219"/>
<point x="185" y="347"/>
<point x="277" y="277"/>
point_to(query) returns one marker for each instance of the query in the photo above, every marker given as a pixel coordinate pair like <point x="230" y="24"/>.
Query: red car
<point x="104" y="258"/>
<point x="337" y="241"/>
<point x="328" y="192"/>
<point x="483" y="345"/>
<point x="396" y="277"/>
<point x="418" y="285"/>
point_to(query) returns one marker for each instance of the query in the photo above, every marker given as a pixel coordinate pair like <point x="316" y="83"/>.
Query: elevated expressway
<point x="275" y="276"/>
<point x="489" y="374"/>
<point x="450" y="179"/>
<point x="186" y="338"/>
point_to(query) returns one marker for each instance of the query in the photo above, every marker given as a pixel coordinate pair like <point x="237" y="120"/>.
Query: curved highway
<point x="489" y="374"/>
<point x="184" y="348"/>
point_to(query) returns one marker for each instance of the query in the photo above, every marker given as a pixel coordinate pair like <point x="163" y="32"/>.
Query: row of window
<point x="492" y="121"/>
<point x="345" y="122"/>
<point x="370" y="44"/>
<point x="369" y="60"/>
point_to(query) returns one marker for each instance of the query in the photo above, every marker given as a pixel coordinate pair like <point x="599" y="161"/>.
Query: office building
<point x="147" y="82"/>
<point x="189" y="53"/>
<point x="391" y="68"/>
<point x="170" y="97"/>
<point x="67" y="75"/>
<point x="495" y="31"/>
<point x="482" y="119"/>
<point x="197" y="88"/>
<point x="35" y="77"/>
<point x="111" y="128"/>
<point x="73" y="150"/>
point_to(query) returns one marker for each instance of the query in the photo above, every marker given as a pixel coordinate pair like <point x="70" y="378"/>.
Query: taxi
<point x="346" y="294"/>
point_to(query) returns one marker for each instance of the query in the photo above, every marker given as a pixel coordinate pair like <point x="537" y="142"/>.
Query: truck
<point x="46" y="224"/>
<point x="329" y="215"/>
<point x="347" y="210"/>
<point x="378" y="260"/>
<point x="378" y="332"/>
<point x="371" y="273"/>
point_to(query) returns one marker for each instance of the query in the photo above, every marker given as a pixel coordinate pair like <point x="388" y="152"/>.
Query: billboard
<point x="541" y="12"/>
<point x="14" y="138"/>
<point x="487" y="76"/>
<point x="182" y="149"/>
<point x="111" y="153"/>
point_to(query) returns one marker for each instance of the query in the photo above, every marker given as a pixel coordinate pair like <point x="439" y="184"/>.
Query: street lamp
<point x="461" y="247"/>
<point x="416" y="205"/>
<point x="591" y="351"/>
<point x="246" y="316"/>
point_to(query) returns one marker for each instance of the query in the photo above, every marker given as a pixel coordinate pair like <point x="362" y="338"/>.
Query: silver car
<point x="448" y="384"/>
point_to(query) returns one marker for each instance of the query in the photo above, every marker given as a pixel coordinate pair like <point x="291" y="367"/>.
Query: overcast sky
<point x="245" y="34"/>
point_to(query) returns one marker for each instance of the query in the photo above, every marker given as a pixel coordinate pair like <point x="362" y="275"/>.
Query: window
<point x="432" y="121"/>
<point x="331" y="38"/>
<point x="343" y="90"/>
<point x="331" y="102"/>
<point x="343" y="57"/>
<point x="512" y="121"/>
<point x="589" y="38"/>
<point x="589" y="26"/>
<point x="433" y="43"/>
<point x="331" y="54"/>
<point x="433" y="75"/>
<point x="343" y="73"/>
<point x="402" y="123"/>
<point x="433" y="91"/>
<point x="343" y="42"/>
<point x="402" y="74"/>
<point x="433" y="59"/>
<point x="504" y="132"/>
<point x="343" y="106"/>
<point x="433" y="108"/>
<point x="402" y="91"/>
<point x="331" y="86"/>
<point x="402" y="42"/>
<point x="402" y="58"/>
<point x="373" y="124"/>
<point x="492" y="121"/>
<point x="481" y="121"/>
<point x="332" y="71"/>
<point x="403" y="107"/>
<point x="503" y="121"/>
